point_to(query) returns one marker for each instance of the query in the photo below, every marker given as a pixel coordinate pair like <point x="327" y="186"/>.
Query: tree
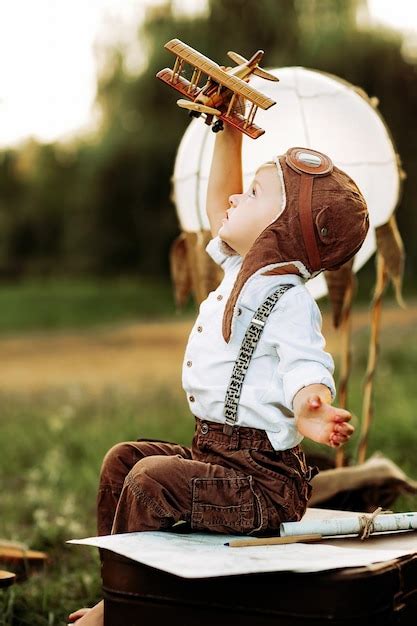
<point x="105" y="207"/>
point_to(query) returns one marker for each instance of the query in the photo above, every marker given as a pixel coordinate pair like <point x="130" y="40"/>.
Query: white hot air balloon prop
<point x="314" y="110"/>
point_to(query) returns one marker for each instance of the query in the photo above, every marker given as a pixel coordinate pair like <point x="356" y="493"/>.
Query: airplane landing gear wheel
<point x="217" y="126"/>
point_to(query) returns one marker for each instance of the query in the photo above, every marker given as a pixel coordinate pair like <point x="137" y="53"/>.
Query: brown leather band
<point x="306" y="219"/>
<point x="308" y="164"/>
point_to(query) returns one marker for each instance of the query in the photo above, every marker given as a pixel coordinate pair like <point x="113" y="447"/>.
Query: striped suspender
<point x="242" y="362"/>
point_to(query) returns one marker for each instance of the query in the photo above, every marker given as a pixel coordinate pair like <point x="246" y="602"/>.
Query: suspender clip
<point x="228" y="429"/>
<point x="257" y="322"/>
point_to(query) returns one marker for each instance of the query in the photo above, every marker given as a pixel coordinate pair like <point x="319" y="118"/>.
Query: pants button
<point x="204" y="428"/>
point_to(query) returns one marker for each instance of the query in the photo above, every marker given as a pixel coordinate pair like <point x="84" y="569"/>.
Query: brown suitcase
<point x="382" y="594"/>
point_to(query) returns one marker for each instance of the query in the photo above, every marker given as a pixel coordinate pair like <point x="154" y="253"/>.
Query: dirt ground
<point x="129" y="356"/>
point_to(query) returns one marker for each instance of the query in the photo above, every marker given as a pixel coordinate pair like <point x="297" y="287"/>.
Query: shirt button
<point x="204" y="428"/>
<point x="191" y="399"/>
<point x="189" y="363"/>
<point x="219" y="297"/>
<point x="200" y="329"/>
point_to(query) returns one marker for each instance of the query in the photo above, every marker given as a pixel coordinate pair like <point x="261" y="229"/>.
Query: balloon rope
<point x="367" y="405"/>
<point x="201" y="265"/>
<point x="345" y="359"/>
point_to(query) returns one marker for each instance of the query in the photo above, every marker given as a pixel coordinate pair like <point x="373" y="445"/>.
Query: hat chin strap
<point x="306" y="219"/>
<point x="308" y="164"/>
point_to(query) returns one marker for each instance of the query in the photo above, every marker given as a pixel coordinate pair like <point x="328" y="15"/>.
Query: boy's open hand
<point x="320" y="421"/>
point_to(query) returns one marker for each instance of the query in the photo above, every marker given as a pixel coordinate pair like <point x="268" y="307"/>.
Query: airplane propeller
<point x="195" y="106"/>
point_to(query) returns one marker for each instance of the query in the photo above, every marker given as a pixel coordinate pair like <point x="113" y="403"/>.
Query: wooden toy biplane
<point x="221" y="96"/>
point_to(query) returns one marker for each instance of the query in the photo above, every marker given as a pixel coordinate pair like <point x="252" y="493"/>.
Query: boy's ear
<point x="180" y="271"/>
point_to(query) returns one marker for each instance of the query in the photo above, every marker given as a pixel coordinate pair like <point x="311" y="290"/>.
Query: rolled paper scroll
<point x="350" y="525"/>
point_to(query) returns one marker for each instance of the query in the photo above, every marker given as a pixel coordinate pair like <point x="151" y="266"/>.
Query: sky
<point x="48" y="51"/>
<point x="400" y="14"/>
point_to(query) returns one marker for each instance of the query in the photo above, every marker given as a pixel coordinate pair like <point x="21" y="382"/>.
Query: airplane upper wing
<point x="213" y="70"/>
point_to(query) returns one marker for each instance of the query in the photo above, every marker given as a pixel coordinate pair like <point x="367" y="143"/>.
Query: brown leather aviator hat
<point x="323" y="223"/>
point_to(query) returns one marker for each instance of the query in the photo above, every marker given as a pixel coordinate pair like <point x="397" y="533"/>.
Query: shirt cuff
<point x="303" y="376"/>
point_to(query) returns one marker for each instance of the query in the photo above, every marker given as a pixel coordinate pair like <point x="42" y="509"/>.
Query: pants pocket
<point x="282" y="479"/>
<point x="226" y="505"/>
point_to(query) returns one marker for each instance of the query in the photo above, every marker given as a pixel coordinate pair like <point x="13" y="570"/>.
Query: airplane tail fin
<point x="253" y="62"/>
<point x="237" y="58"/>
<point x="256" y="58"/>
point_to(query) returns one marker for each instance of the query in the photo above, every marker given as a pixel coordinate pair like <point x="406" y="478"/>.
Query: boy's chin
<point x="226" y="249"/>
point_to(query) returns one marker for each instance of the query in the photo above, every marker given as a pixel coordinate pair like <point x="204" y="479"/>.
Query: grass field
<point x="69" y="303"/>
<point x="51" y="449"/>
<point x="54" y="436"/>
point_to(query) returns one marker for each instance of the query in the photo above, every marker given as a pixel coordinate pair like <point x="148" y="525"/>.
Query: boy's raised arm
<point x="225" y="175"/>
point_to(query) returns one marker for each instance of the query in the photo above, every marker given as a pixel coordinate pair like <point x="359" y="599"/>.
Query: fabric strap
<point x="306" y="219"/>
<point x="309" y="164"/>
<point x="242" y="362"/>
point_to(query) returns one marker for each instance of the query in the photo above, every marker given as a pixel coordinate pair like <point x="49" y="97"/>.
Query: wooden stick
<point x="367" y="405"/>
<point x="345" y="365"/>
<point x="272" y="541"/>
<point x="17" y="554"/>
<point x="7" y="578"/>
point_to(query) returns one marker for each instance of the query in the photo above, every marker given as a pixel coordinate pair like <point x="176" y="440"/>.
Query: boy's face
<point x="251" y="212"/>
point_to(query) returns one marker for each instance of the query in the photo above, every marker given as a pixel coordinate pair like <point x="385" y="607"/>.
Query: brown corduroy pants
<point x="226" y="484"/>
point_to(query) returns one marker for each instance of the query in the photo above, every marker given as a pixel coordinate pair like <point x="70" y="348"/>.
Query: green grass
<point x="65" y="304"/>
<point x="51" y="449"/>
<point x="52" y="444"/>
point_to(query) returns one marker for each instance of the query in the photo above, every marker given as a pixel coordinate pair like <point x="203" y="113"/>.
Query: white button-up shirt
<point x="289" y="355"/>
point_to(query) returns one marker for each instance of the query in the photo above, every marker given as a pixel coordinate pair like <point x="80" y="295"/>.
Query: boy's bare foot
<point x="324" y="423"/>
<point x="73" y="617"/>
<point x="88" y="617"/>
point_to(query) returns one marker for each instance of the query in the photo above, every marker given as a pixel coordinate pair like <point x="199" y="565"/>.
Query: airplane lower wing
<point x="179" y="83"/>
<point x="238" y="121"/>
<point x="186" y="89"/>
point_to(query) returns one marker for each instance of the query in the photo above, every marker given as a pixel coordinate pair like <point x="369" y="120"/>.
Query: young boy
<point x="254" y="396"/>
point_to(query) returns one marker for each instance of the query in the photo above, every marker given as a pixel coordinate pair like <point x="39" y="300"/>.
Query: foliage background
<point x="101" y="207"/>
<point x="85" y="229"/>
